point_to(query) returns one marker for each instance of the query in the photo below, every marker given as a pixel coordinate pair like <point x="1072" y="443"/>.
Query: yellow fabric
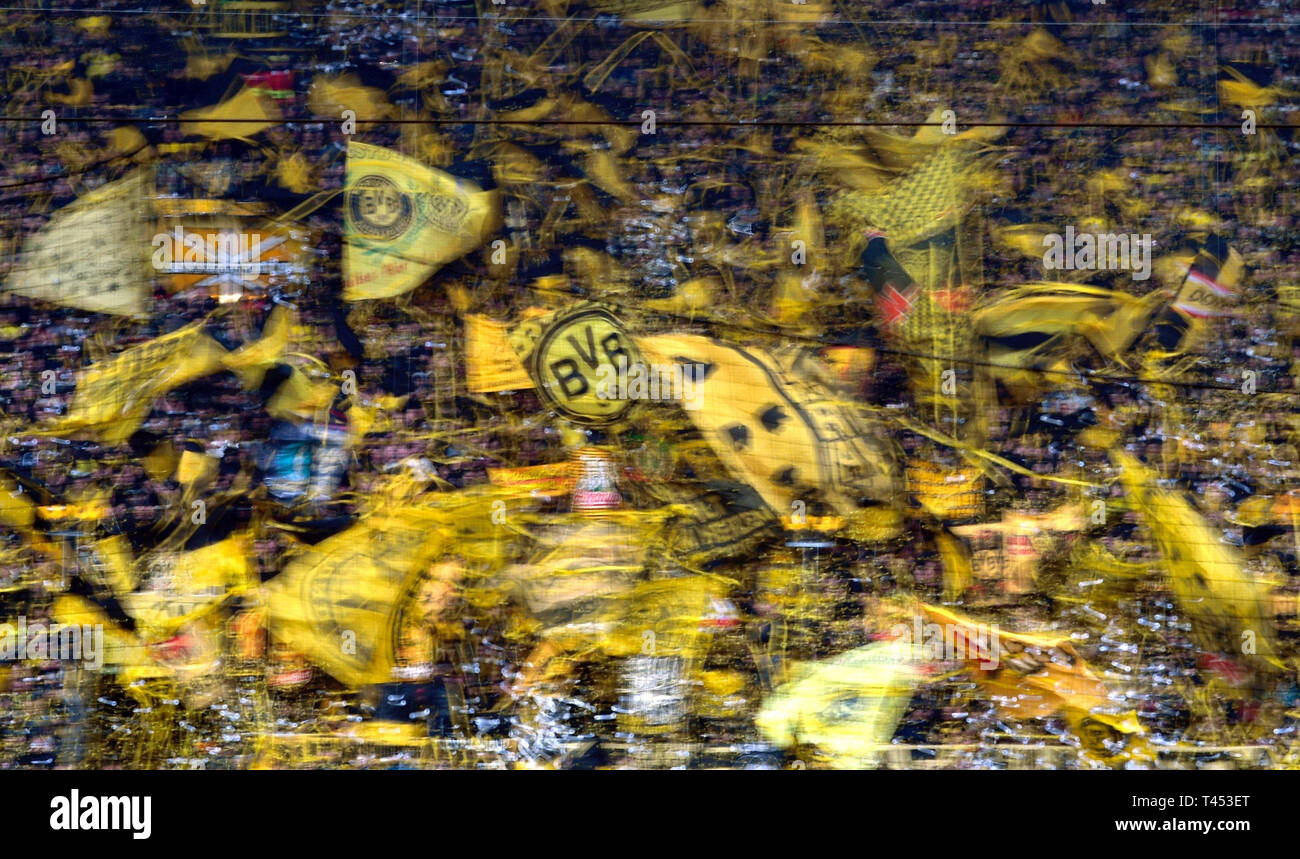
<point x="118" y="563"/>
<point x="490" y="364"/>
<point x="196" y="469"/>
<point x="780" y="431"/>
<point x="113" y="397"/>
<point x="121" y="648"/>
<point x="93" y="253"/>
<point x="339" y="602"/>
<point x="1208" y="577"/>
<point x="261" y="112"/>
<point x="251" y="361"/>
<point x="551" y="479"/>
<point x="1037" y="675"/>
<point x="160" y="462"/>
<point x="305" y="394"/>
<point x="194" y="584"/>
<point x="946" y="493"/>
<point x="95" y="24"/>
<point x="17" y="509"/>
<point x="404" y="221"/>
<point x="848" y="706"/>
<point x="1160" y="71"/>
<point x="330" y="96"/>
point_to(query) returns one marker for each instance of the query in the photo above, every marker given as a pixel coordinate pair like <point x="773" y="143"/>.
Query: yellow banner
<point x="848" y="706"/>
<point x="404" y="221"/>
<point x="1033" y="675"/>
<point x="188" y="585"/>
<point x="552" y="479"/>
<point x="251" y="361"/>
<point x="573" y="357"/>
<point x="1224" y="603"/>
<point x="490" y="364"/>
<point x="213" y="122"/>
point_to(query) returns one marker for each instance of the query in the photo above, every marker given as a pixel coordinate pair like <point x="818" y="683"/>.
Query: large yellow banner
<point x="782" y="433"/>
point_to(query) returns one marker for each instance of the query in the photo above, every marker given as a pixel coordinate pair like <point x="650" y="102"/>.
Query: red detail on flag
<point x="178" y="648"/>
<point x="894" y="305"/>
<point x="1194" y="311"/>
<point x="954" y="300"/>
<point x="1203" y="279"/>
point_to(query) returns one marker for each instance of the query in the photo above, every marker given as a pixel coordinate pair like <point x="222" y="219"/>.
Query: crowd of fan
<point x="1172" y="170"/>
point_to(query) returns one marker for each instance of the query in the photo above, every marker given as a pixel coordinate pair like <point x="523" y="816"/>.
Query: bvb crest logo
<point x="377" y="208"/>
<point x="566" y="359"/>
<point x="446" y="213"/>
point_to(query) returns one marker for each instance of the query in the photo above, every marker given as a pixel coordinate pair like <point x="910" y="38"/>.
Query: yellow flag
<point x="251" y="361"/>
<point x="404" y="221"/>
<point x="575" y="565"/>
<point x="490" y="363"/>
<point x="1023" y="238"/>
<point x="189" y="585"/>
<point x="696" y="296"/>
<point x="17" y="509"/>
<point x="796" y="287"/>
<point x="213" y="122"/>
<point x="117" y="563"/>
<point x="200" y="65"/>
<point x="93" y="254"/>
<point x="848" y="706"/>
<point x="294" y="172"/>
<point x="196" y="469"/>
<point x="1033" y="676"/>
<point x="340" y="601"/>
<point x="307" y="392"/>
<point x="679" y="612"/>
<point x="1211" y="282"/>
<point x="779" y="430"/>
<point x="1246" y="93"/>
<point x="113" y="397"/>
<point x="1160" y="71"/>
<point x="1208" y="577"/>
<point x="554" y="478"/>
<point x="96" y="24"/>
<point x="1109" y="320"/>
<point x="121" y="648"/>
<point x="927" y="201"/>
<point x="330" y="96"/>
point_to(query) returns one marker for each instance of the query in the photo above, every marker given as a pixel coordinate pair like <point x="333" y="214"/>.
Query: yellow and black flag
<point x="779" y="430"/>
<point x="113" y="397"/>
<point x="405" y="220"/>
<point x="1209" y="579"/>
